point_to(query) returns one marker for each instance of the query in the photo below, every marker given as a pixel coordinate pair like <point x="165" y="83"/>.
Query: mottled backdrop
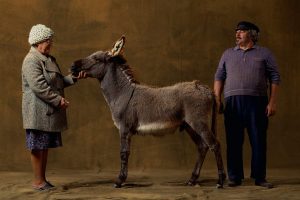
<point x="167" y="41"/>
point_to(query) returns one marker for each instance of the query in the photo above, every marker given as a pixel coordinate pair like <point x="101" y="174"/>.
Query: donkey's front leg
<point x="124" y="154"/>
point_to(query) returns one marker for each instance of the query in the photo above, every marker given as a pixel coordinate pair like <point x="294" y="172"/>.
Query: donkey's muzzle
<point x="75" y="70"/>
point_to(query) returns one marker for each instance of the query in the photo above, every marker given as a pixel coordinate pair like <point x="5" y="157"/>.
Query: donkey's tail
<point x="214" y="116"/>
<point x="211" y="95"/>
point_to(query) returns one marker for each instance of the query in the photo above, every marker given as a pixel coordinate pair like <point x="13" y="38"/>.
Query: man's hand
<point x="271" y="109"/>
<point x="218" y="88"/>
<point x="63" y="103"/>
<point x="220" y="107"/>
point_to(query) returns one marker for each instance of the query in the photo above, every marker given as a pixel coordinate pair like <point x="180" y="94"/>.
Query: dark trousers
<point x="246" y="112"/>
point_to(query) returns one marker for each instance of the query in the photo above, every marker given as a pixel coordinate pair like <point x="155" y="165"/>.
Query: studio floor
<point x="148" y="184"/>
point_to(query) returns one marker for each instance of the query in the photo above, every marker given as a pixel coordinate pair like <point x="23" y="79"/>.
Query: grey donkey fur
<point x="141" y="109"/>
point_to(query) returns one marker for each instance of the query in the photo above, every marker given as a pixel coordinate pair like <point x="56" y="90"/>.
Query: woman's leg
<point x="37" y="162"/>
<point x="45" y="158"/>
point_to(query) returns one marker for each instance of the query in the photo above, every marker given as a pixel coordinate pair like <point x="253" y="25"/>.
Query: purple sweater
<point x="247" y="72"/>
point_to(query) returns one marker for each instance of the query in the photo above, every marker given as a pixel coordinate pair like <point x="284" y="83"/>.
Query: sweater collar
<point x="238" y="48"/>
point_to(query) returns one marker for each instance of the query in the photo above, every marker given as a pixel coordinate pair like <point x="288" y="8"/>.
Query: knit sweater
<point x="247" y="72"/>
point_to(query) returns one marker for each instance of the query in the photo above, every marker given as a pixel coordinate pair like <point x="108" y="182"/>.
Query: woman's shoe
<point x="43" y="187"/>
<point x="49" y="183"/>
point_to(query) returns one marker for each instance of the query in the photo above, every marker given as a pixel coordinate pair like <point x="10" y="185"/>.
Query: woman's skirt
<point x="39" y="140"/>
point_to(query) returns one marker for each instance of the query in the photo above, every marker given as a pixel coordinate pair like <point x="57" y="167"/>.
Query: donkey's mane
<point x="128" y="72"/>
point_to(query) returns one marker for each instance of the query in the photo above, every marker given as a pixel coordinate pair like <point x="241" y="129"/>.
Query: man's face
<point x="242" y="37"/>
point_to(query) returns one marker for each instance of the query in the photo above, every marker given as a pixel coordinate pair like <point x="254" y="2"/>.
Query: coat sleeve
<point x="33" y="73"/>
<point x="68" y="81"/>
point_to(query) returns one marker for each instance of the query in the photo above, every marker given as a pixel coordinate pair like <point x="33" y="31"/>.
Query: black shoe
<point x="234" y="183"/>
<point x="45" y="186"/>
<point x="264" y="183"/>
<point x="49" y="183"/>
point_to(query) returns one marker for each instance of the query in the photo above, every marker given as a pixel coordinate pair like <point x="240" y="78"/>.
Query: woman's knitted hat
<point x="39" y="33"/>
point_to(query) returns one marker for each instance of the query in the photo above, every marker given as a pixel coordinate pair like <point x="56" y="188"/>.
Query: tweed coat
<point x="43" y="87"/>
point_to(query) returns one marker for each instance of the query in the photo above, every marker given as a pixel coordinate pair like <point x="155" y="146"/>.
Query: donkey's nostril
<point x="75" y="70"/>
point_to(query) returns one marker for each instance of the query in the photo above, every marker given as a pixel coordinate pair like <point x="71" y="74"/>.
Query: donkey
<point x="139" y="109"/>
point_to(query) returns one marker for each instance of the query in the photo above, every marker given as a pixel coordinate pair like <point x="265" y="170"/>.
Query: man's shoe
<point x="118" y="46"/>
<point x="234" y="183"/>
<point x="264" y="183"/>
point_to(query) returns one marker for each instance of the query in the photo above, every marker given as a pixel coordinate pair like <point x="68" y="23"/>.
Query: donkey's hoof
<point x="222" y="178"/>
<point x="117" y="185"/>
<point x="191" y="183"/>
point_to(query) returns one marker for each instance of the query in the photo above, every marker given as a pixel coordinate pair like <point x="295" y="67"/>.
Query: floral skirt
<point x="39" y="140"/>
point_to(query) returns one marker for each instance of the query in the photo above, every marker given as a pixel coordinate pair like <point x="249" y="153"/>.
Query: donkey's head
<point x="94" y="65"/>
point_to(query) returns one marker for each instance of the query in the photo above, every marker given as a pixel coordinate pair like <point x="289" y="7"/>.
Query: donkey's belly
<point x="158" y="128"/>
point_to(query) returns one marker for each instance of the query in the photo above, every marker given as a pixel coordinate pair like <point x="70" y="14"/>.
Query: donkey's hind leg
<point x="218" y="156"/>
<point x="124" y="155"/>
<point x="202" y="150"/>
<point x="214" y="145"/>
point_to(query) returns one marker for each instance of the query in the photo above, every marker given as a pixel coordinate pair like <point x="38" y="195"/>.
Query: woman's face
<point x="45" y="46"/>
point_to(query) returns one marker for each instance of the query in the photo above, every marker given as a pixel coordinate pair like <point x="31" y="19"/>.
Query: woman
<point x="43" y="104"/>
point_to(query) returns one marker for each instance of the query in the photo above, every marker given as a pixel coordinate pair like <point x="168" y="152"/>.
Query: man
<point x="245" y="72"/>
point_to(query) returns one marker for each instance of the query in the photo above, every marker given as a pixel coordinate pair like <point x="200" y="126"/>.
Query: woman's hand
<point x="63" y="103"/>
<point x="81" y="75"/>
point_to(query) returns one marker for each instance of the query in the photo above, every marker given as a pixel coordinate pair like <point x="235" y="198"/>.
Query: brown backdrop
<point x="167" y="42"/>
